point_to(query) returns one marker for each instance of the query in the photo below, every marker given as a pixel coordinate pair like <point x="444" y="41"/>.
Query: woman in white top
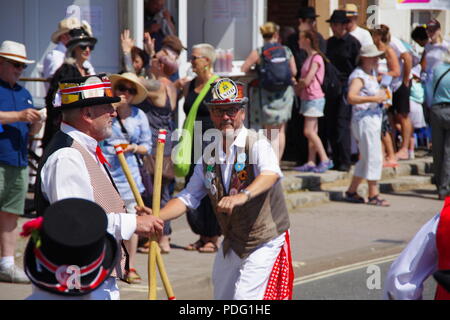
<point x="365" y="97"/>
<point x="433" y="55"/>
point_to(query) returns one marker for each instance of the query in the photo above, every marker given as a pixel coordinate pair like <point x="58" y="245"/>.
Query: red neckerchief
<point x="100" y="156"/>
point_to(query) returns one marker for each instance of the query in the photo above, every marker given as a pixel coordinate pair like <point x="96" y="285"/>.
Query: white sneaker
<point x="411" y="154"/>
<point x="13" y="274"/>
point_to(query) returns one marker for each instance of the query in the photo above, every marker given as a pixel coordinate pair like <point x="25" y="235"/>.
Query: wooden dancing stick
<point x="157" y="258"/>
<point x="128" y="175"/>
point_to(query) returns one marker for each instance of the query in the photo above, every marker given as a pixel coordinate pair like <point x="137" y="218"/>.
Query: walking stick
<point x="157" y="258"/>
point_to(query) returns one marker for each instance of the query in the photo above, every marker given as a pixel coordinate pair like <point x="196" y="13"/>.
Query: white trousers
<point x="367" y="132"/>
<point x="245" y="279"/>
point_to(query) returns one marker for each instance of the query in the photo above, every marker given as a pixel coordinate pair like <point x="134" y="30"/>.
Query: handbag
<point x="183" y="151"/>
<point x="168" y="171"/>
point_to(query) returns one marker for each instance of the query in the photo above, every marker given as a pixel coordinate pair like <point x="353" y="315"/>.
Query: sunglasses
<point x="231" y="112"/>
<point x="193" y="58"/>
<point x="122" y="88"/>
<point x="17" y="65"/>
<point x="84" y="47"/>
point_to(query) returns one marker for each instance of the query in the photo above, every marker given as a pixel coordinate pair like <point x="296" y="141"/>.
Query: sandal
<point x="353" y="197"/>
<point x="377" y="201"/>
<point x="209" y="247"/>
<point x="195" y="246"/>
<point x="132" y="277"/>
<point x="145" y="248"/>
<point x="164" y="245"/>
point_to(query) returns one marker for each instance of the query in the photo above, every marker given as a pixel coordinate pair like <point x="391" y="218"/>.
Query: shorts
<point x="312" y="108"/>
<point x="400" y="100"/>
<point x="13" y="188"/>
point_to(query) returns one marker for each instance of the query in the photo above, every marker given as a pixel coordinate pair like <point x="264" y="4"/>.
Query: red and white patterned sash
<point x="281" y="281"/>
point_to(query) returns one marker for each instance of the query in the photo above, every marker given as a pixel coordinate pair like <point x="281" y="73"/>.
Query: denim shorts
<point x="312" y="108"/>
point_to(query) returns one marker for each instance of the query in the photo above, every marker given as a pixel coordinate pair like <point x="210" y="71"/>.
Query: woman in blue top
<point x="440" y="126"/>
<point x="136" y="138"/>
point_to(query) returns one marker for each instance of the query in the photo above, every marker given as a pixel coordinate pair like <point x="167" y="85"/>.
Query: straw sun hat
<point x="14" y="51"/>
<point x="129" y="76"/>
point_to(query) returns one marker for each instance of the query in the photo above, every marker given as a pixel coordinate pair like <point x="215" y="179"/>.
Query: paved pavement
<point x="323" y="237"/>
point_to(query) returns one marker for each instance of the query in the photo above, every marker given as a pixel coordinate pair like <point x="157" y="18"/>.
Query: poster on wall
<point x="423" y="4"/>
<point x="225" y="10"/>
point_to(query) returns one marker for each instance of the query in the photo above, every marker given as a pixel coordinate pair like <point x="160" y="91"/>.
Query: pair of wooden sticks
<point x="154" y="254"/>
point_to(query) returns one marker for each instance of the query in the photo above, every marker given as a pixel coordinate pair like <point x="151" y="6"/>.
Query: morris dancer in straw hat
<point x="73" y="164"/>
<point x="18" y="120"/>
<point x="242" y="180"/>
<point x="70" y="254"/>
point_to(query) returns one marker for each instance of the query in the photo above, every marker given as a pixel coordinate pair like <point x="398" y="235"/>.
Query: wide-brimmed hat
<point x="226" y="92"/>
<point x="80" y="36"/>
<point x="370" y="51"/>
<point x="351" y="10"/>
<point x="131" y="77"/>
<point x="70" y="251"/>
<point x="64" y="26"/>
<point x="14" y="51"/>
<point x="307" y="13"/>
<point x="85" y="91"/>
<point x="339" y="16"/>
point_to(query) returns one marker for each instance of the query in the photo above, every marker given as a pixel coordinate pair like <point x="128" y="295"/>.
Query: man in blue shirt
<point x="440" y="126"/>
<point x="18" y="119"/>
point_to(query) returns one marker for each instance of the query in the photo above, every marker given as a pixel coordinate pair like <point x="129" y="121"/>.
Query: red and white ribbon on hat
<point x="85" y="87"/>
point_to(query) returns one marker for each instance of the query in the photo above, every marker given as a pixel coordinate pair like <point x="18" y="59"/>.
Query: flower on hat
<point x="32" y="228"/>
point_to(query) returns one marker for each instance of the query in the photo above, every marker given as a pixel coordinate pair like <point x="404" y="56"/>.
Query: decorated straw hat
<point x="131" y="77"/>
<point x="351" y="10"/>
<point x="14" y="51"/>
<point x="85" y="91"/>
<point x="226" y="92"/>
<point x="70" y="251"/>
<point x="65" y="26"/>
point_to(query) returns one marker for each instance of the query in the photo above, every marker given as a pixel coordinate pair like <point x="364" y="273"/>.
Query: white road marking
<point x="343" y="269"/>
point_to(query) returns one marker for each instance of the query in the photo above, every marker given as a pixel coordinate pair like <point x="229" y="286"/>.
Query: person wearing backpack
<point x="273" y="96"/>
<point x="312" y="102"/>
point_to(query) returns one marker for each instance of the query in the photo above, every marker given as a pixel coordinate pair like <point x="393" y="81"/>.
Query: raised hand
<point x="149" y="44"/>
<point x="126" y="41"/>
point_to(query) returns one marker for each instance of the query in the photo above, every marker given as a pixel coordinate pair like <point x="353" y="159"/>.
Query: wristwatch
<point x="247" y="193"/>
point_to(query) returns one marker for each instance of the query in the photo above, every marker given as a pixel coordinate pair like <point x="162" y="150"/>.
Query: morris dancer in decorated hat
<point x="242" y="179"/>
<point x="70" y="254"/>
<point x="73" y="165"/>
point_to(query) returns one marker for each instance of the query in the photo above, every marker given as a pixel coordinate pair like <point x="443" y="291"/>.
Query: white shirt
<point x="415" y="264"/>
<point x="65" y="175"/>
<point x="55" y="58"/>
<point x="364" y="37"/>
<point x="399" y="49"/>
<point x="264" y="157"/>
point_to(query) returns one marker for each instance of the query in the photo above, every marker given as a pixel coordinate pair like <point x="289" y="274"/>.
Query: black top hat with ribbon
<point x="70" y="252"/>
<point x="80" y="36"/>
<point x="339" y="16"/>
<point x="226" y="92"/>
<point x="85" y="91"/>
<point x="307" y="13"/>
